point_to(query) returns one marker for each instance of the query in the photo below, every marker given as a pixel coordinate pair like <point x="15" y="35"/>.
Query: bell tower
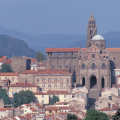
<point x="91" y="30"/>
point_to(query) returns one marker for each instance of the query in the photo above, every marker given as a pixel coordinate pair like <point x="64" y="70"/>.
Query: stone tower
<point x="91" y="30"/>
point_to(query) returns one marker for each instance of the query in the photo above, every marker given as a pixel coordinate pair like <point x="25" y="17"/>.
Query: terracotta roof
<point x="116" y="85"/>
<point x="9" y="74"/>
<point x="40" y="93"/>
<point x="40" y="106"/>
<point x="64" y="108"/>
<point x="52" y="108"/>
<point x="22" y="117"/>
<point x="115" y="107"/>
<point x="53" y="92"/>
<point x="2" y="59"/>
<point x="9" y="61"/>
<point x="60" y="103"/>
<point x="33" y="109"/>
<point x="113" y="49"/>
<point x="64" y="49"/>
<point x="118" y="75"/>
<point x="53" y="71"/>
<point x="33" y="60"/>
<point x="22" y="85"/>
<point x="4" y="109"/>
<point x="27" y="104"/>
<point x="28" y="72"/>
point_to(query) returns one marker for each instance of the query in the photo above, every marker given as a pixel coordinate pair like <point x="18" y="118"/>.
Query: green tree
<point x="95" y="115"/>
<point x="72" y="117"/>
<point x="6" y="68"/>
<point x="117" y="115"/>
<point x="54" y="99"/>
<point x="4" y="96"/>
<point x="23" y="97"/>
<point x="40" y="56"/>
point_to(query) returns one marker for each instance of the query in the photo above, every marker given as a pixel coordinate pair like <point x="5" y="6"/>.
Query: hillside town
<point x="81" y="78"/>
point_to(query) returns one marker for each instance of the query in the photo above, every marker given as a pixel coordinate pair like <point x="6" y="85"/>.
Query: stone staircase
<point x="93" y="95"/>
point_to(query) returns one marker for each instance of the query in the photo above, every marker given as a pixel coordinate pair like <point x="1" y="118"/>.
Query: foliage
<point x="54" y="99"/>
<point x="23" y="97"/>
<point x="71" y="117"/>
<point x="95" y="115"/>
<point x="40" y="56"/>
<point x="6" y="68"/>
<point x="117" y="115"/>
<point x="4" y="96"/>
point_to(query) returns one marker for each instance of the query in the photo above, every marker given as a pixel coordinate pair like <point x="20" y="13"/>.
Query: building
<point x="92" y="66"/>
<point x="20" y="86"/>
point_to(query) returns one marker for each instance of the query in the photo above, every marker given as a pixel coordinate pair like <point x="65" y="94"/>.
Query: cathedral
<point x="94" y="66"/>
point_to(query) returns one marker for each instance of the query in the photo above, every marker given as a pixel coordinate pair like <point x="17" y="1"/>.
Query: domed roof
<point x="98" y="37"/>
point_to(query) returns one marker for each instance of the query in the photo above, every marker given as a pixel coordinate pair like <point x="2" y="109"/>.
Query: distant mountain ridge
<point x="40" y="42"/>
<point x="10" y="46"/>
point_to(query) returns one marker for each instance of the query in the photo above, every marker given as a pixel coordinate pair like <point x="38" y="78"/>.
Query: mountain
<point x="10" y="46"/>
<point x="40" y="42"/>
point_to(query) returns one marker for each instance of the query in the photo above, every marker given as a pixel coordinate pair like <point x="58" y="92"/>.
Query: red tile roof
<point x="22" y="117"/>
<point x="40" y="106"/>
<point x="4" y="109"/>
<point x="60" y="103"/>
<point x="9" y="74"/>
<point x="33" y="60"/>
<point x="40" y="93"/>
<point x="33" y="109"/>
<point x="118" y="75"/>
<point x="64" y="108"/>
<point x="53" y="92"/>
<point x="28" y="72"/>
<point x="74" y="49"/>
<point x="2" y="59"/>
<point x="52" y="108"/>
<point x="9" y="61"/>
<point x="115" y="107"/>
<point x="22" y="85"/>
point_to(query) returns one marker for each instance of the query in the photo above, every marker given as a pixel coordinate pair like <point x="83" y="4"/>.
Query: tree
<point x="40" y="56"/>
<point x="6" y="68"/>
<point x="95" y="115"/>
<point x="117" y="115"/>
<point x="23" y="97"/>
<point x="4" y="96"/>
<point x="72" y="117"/>
<point x="54" y="99"/>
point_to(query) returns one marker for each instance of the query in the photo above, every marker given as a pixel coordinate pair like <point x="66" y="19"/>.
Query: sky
<point x="37" y="17"/>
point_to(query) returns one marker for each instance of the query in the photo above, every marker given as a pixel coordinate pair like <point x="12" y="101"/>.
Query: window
<point x="5" y="78"/>
<point x="43" y="80"/>
<point x="43" y="85"/>
<point x="101" y="45"/>
<point x="61" y="85"/>
<point x="74" y="66"/>
<point x="26" y="80"/>
<point x="42" y="96"/>
<point x="55" y="85"/>
<point x="67" y="79"/>
<point x="55" y="80"/>
<point x="42" y="101"/>
<point x="103" y="66"/>
<point x="37" y="79"/>
<point x="104" y="57"/>
<point x="61" y="80"/>
<point x="64" y="96"/>
<point x="12" y="92"/>
<point x="49" y="79"/>
<point x="12" y="78"/>
<point x="21" y="66"/>
<point x="100" y="52"/>
<point x="52" y="66"/>
<point x="91" y="32"/>
<point x="60" y="66"/>
<point x="83" y="66"/>
<point x="66" y="66"/>
<point x="67" y="85"/>
<point x="93" y="56"/>
<point x="64" y="100"/>
<point x="93" y="65"/>
<point x="49" y="85"/>
<point x="113" y="58"/>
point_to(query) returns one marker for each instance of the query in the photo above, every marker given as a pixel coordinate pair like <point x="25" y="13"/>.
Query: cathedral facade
<point x="94" y="66"/>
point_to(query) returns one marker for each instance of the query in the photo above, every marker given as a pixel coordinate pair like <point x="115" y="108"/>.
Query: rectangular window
<point x="37" y="79"/>
<point x="67" y="79"/>
<point x="5" y="78"/>
<point x="42" y="96"/>
<point x="42" y="101"/>
<point x="26" y="80"/>
<point x="64" y="96"/>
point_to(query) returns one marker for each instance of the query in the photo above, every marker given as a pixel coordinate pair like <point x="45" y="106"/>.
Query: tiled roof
<point x="53" y="71"/>
<point x="52" y="108"/>
<point x="33" y="60"/>
<point x="4" y="109"/>
<point x="33" y="109"/>
<point x="28" y="72"/>
<point x="115" y="107"/>
<point x="22" y="85"/>
<point x="40" y="106"/>
<point x="116" y="85"/>
<point x="27" y="104"/>
<point x="40" y="93"/>
<point x="9" y="61"/>
<point x="74" y="49"/>
<point x="53" y="92"/>
<point x="9" y="74"/>
<point x="64" y="49"/>
<point x="60" y="103"/>
<point x="118" y="75"/>
<point x="22" y="117"/>
<point x="64" y="108"/>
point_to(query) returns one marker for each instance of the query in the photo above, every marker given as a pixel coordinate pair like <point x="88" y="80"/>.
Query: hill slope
<point x="10" y="46"/>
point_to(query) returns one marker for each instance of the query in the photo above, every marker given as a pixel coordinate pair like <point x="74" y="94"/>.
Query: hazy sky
<point x="38" y="17"/>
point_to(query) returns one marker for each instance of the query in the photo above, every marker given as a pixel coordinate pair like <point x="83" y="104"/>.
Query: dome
<point x="98" y="37"/>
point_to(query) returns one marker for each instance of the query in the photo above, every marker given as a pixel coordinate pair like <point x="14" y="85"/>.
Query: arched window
<point x="103" y="66"/>
<point x="66" y="66"/>
<point x="83" y="66"/>
<point x="91" y="32"/>
<point x="93" y="56"/>
<point x="60" y="66"/>
<point x="93" y="65"/>
<point x="52" y="66"/>
<point x="100" y="52"/>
